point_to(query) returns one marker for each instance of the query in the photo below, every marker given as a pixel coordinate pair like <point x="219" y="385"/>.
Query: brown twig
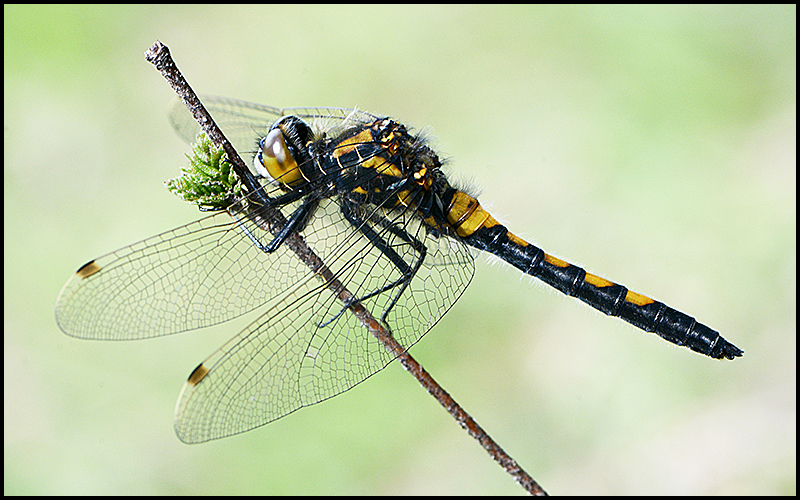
<point x="273" y="219"/>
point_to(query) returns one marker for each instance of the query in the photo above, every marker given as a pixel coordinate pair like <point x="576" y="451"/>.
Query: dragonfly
<point x="372" y="200"/>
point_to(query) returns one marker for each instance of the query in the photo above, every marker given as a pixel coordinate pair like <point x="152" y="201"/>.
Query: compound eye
<point x="276" y="159"/>
<point x="273" y="146"/>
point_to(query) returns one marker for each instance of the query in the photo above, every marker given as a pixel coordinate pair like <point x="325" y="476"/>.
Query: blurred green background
<point x="655" y="146"/>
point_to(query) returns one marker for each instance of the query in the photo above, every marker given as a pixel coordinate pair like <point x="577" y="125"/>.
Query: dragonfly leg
<point x="408" y="271"/>
<point x="295" y="223"/>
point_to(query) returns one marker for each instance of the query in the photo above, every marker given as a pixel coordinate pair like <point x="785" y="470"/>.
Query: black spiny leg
<point x="296" y="222"/>
<point x="408" y="272"/>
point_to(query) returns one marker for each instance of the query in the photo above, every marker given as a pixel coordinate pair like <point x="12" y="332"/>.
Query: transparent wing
<point x="244" y="123"/>
<point x="303" y="349"/>
<point x="197" y="275"/>
<point x="332" y="113"/>
<point x="194" y="276"/>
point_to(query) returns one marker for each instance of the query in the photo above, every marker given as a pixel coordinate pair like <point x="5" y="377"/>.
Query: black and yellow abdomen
<point x="479" y="229"/>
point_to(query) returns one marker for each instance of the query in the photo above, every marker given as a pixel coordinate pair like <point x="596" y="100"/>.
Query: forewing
<point x="194" y="276"/>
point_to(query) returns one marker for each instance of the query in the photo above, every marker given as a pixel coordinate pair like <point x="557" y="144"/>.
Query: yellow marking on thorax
<point x="349" y="144"/>
<point x="383" y="166"/>
<point x="403" y="198"/>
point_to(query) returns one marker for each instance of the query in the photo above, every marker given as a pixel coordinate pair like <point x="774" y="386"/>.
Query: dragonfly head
<point x="283" y="150"/>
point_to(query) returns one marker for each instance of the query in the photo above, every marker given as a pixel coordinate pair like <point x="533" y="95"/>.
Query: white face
<point x="258" y="162"/>
<point x="259" y="166"/>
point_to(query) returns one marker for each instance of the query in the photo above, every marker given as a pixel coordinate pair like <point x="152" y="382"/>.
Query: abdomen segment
<point x="479" y="229"/>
